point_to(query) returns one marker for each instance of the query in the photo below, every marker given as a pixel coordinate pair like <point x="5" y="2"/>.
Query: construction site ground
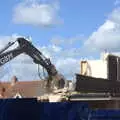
<point x="95" y="100"/>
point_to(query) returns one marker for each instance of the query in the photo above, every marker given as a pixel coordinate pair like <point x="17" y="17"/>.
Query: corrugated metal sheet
<point x="85" y="84"/>
<point x="118" y="70"/>
<point x="96" y="85"/>
<point x="112" y="67"/>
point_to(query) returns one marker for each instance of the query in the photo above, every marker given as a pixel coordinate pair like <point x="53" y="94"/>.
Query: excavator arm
<point x="28" y="48"/>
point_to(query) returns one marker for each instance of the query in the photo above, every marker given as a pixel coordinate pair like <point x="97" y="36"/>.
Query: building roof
<point x="23" y="88"/>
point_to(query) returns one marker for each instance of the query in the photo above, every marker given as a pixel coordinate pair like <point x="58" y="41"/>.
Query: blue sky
<point x="65" y="30"/>
<point x="80" y="17"/>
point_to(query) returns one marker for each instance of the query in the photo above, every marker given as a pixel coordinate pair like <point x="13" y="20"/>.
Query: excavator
<point x="54" y="78"/>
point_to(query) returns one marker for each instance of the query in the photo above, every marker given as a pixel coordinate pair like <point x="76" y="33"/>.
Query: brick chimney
<point x="14" y="80"/>
<point x="2" y="92"/>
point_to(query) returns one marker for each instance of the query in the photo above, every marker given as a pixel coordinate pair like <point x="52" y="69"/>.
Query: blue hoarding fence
<point x="19" y="109"/>
<point x="31" y="109"/>
<point x="105" y="114"/>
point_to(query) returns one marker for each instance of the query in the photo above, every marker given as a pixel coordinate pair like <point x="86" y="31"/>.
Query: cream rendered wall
<point x="97" y="68"/>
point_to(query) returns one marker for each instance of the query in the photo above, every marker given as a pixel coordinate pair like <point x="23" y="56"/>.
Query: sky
<point x="65" y="31"/>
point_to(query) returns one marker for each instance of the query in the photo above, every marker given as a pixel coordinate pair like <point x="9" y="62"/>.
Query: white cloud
<point x="58" y="40"/>
<point x="68" y="66"/>
<point x="107" y="36"/>
<point x="64" y="60"/>
<point x="36" y="13"/>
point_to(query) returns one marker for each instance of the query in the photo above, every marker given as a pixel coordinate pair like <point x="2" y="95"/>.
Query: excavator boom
<point x="28" y="48"/>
